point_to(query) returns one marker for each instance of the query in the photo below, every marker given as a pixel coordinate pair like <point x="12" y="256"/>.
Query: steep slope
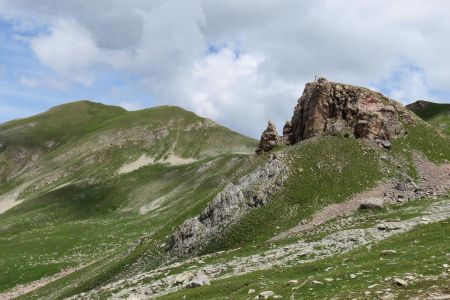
<point x="91" y="180"/>
<point x="437" y="114"/>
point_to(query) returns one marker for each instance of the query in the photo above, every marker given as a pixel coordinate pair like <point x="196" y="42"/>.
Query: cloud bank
<point x="238" y="62"/>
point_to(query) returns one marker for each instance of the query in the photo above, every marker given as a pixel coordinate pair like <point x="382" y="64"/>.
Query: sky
<point x="238" y="62"/>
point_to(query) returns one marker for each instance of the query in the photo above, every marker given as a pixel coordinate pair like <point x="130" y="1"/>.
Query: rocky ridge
<point x="229" y="205"/>
<point x="340" y="109"/>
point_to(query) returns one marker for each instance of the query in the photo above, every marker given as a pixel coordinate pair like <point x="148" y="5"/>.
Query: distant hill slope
<point x="437" y="114"/>
<point x="84" y="135"/>
<point x="84" y="180"/>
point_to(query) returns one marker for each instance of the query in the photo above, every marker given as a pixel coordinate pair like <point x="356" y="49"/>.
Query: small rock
<point x="372" y="286"/>
<point x="352" y="276"/>
<point x="183" y="277"/>
<point x="445" y="266"/>
<point x="199" y="280"/>
<point x="400" y="282"/>
<point x="251" y="291"/>
<point x="266" y="295"/>
<point x="293" y="282"/>
<point x="328" y="279"/>
<point x="317" y="282"/>
<point x="388" y="296"/>
<point x="386" y="252"/>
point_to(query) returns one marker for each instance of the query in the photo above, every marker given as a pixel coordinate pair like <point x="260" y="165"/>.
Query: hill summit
<point x="340" y="109"/>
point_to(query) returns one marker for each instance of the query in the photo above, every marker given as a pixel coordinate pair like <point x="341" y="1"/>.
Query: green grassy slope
<point x="437" y="114"/>
<point x="421" y="253"/>
<point x="92" y="214"/>
<point x="78" y="209"/>
<point x="324" y="170"/>
<point x="76" y="133"/>
<point x="329" y="170"/>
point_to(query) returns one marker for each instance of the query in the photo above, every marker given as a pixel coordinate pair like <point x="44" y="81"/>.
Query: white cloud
<point x="131" y="105"/>
<point x="281" y="45"/>
<point x="408" y="85"/>
<point x="230" y="88"/>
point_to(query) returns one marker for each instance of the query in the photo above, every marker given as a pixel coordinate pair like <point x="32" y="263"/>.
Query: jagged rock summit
<point x="339" y="109"/>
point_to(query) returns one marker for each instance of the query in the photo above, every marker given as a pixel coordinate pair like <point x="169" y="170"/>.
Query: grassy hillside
<point x="78" y="133"/>
<point x="78" y="208"/>
<point x="437" y="114"/>
<point x="329" y="170"/>
<point x="420" y="257"/>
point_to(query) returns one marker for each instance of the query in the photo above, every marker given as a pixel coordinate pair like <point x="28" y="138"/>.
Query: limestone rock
<point x="339" y="109"/>
<point x="269" y="139"/>
<point x="293" y="282"/>
<point x="229" y="205"/>
<point x="266" y="295"/>
<point x="399" y="281"/>
<point x="199" y="280"/>
<point x="372" y="203"/>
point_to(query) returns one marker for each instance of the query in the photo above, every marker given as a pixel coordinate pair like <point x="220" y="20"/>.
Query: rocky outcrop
<point x="339" y="109"/>
<point x="269" y="139"/>
<point x="333" y="108"/>
<point x="228" y="206"/>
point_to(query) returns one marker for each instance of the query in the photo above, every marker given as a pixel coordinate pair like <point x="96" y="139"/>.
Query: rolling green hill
<point x="91" y="179"/>
<point x="437" y="114"/>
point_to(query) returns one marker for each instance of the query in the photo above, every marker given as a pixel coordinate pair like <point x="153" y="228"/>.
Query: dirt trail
<point x="23" y="289"/>
<point x="433" y="180"/>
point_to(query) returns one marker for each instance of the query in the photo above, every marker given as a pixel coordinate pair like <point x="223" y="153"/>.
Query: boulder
<point x="199" y="280"/>
<point x="372" y="203"/>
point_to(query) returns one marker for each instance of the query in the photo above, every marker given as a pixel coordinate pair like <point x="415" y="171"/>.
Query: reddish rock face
<point x="338" y="109"/>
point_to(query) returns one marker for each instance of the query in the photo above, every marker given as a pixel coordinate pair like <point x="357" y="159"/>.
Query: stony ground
<point x="159" y="282"/>
<point x="433" y="180"/>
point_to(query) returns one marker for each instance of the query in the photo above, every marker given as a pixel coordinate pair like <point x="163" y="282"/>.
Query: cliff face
<point x="340" y="109"/>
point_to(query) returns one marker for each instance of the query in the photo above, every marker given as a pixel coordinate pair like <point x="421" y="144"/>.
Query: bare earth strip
<point x="433" y="180"/>
<point x="26" y="288"/>
<point x="9" y="200"/>
<point x="144" y="160"/>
